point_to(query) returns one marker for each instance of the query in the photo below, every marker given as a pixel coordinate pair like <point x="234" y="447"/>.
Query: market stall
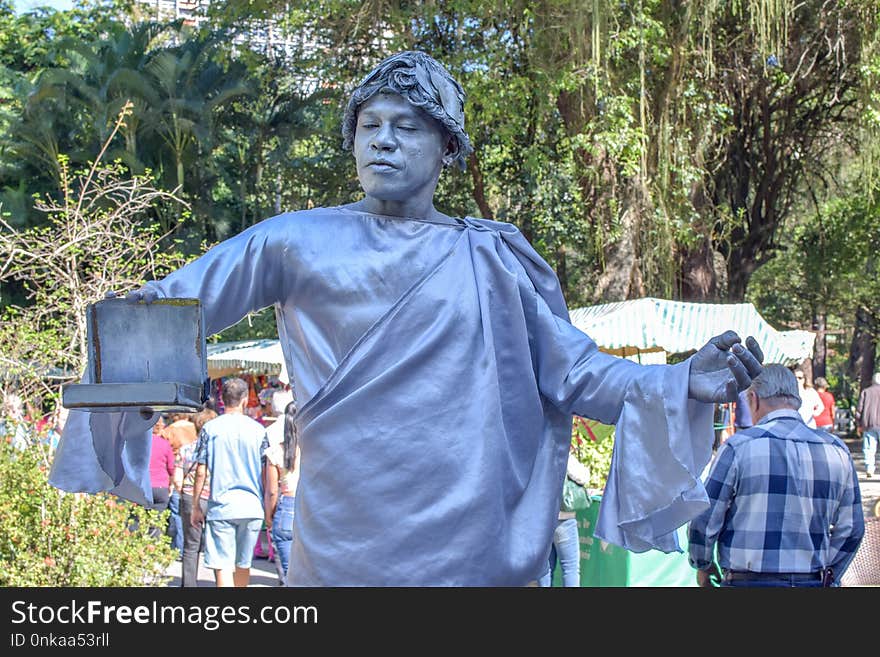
<point x="262" y="356"/>
<point x="259" y="362"/>
<point x="647" y="329"/>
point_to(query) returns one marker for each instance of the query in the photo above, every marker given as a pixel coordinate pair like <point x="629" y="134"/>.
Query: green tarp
<point x="603" y="564"/>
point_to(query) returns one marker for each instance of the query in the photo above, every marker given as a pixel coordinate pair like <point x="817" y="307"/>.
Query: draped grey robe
<point x="436" y="373"/>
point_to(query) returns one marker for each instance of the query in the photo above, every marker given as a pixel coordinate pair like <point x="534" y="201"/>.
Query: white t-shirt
<point x="811" y="404"/>
<point x="280" y="400"/>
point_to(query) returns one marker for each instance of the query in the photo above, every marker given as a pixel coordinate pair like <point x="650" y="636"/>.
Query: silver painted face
<point x="399" y="152"/>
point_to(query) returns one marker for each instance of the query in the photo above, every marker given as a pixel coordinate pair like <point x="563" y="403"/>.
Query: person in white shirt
<point x="811" y="403"/>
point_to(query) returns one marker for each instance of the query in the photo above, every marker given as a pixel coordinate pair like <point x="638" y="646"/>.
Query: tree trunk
<point x="820" y="324"/>
<point x="562" y="269"/>
<point x="743" y="263"/>
<point x="862" y="350"/>
<point x="622" y="278"/>
<point x="698" y="276"/>
<point x="615" y="283"/>
<point x="473" y="165"/>
<point x="180" y="176"/>
<point x="242" y="194"/>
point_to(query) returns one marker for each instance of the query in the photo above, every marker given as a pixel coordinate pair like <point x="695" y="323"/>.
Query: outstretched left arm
<point x="724" y="367"/>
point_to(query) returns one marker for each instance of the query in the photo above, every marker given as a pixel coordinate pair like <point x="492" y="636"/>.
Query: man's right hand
<point x="196" y="516"/>
<point x="145" y="294"/>
<point x="709" y="578"/>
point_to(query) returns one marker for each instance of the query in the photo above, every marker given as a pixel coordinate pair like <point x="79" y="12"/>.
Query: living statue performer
<point x="436" y="372"/>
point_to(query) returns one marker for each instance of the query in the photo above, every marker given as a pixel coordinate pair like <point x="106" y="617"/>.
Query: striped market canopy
<point x="653" y="325"/>
<point x="642" y="329"/>
<point x="246" y="356"/>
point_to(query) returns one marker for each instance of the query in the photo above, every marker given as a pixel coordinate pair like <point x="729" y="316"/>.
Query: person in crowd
<point x="185" y="473"/>
<point x="401" y="324"/>
<point x="161" y="469"/>
<point x="13" y="423"/>
<point x="281" y="479"/>
<point x="230" y="448"/>
<point x="811" y="403"/>
<point x="784" y="502"/>
<point x="825" y="419"/>
<point x="868" y="423"/>
<point x="281" y="398"/>
<point x="53" y="425"/>
<point x="566" y="548"/>
<point x="179" y="432"/>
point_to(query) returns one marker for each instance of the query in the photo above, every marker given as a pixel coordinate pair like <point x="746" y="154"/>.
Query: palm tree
<point x="190" y="85"/>
<point x="258" y="132"/>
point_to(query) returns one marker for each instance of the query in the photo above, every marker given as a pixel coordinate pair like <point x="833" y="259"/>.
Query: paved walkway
<point x="263" y="572"/>
<point x="870" y="487"/>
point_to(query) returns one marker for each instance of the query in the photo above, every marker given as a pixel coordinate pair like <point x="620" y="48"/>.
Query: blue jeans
<point x="160" y="503"/>
<point x="282" y="529"/>
<point x="175" y="524"/>
<point x="565" y="550"/>
<point x="869" y="447"/>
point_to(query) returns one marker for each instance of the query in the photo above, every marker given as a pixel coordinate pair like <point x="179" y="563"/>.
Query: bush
<point x="52" y="538"/>
<point x="592" y="444"/>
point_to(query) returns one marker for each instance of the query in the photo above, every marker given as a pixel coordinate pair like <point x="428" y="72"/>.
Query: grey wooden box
<point x="147" y="357"/>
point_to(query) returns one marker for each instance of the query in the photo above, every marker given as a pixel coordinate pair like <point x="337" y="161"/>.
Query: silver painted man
<point x="437" y="371"/>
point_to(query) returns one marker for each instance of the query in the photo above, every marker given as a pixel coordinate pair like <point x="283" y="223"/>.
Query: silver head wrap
<point x="424" y="82"/>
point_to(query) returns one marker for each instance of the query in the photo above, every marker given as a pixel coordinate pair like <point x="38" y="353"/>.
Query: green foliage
<point x="93" y="242"/>
<point x="621" y="138"/>
<point x="593" y="444"/>
<point x="831" y="260"/>
<point x="828" y="267"/>
<point x="253" y="327"/>
<point x="52" y="538"/>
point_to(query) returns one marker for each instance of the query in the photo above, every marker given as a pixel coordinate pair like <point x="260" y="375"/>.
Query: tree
<point x="827" y="277"/>
<point x="792" y="102"/>
<point x="93" y="242"/>
<point x="657" y="144"/>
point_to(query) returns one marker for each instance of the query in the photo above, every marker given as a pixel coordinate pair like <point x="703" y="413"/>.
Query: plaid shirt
<point x="783" y="498"/>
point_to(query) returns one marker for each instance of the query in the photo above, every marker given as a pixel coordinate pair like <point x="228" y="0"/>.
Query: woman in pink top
<point x="161" y="470"/>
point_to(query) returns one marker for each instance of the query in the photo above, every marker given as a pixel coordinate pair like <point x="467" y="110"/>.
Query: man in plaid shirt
<point x="784" y="501"/>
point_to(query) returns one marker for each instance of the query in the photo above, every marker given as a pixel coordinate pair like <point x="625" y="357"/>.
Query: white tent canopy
<point x="644" y="329"/>
<point x="246" y="356"/>
<point x="661" y="326"/>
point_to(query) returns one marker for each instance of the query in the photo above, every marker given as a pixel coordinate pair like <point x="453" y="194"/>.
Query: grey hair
<point x="234" y="390"/>
<point x="424" y="82"/>
<point x="776" y="381"/>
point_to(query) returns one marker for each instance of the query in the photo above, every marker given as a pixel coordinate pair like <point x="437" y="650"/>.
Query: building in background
<point x="266" y="36"/>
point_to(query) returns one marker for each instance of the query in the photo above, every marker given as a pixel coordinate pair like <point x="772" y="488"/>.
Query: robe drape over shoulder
<point x="436" y="373"/>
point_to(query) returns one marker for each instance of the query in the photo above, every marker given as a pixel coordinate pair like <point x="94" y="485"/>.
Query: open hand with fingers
<point x="723" y="367"/>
